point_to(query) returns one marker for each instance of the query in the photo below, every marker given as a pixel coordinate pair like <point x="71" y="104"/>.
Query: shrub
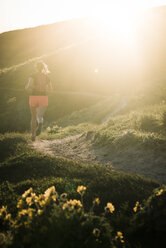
<point x="148" y="123"/>
<point x="102" y="138"/>
<point x="51" y="220"/>
<point x="126" y="139"/>
<point x="148" y="226"/>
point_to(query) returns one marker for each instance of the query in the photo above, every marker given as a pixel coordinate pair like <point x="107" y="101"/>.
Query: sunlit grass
<point x="143" y="121"/>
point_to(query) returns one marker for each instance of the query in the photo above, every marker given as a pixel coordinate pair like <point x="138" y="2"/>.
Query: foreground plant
<point x="148" y="225"/>
<point x="50" y="220"/>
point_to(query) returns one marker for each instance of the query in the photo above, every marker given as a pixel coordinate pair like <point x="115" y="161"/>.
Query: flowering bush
<point x="53" y="220"/>
<point x="148" y="226"/>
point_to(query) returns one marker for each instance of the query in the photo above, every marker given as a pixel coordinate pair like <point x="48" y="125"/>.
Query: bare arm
<point x="29" y="84"/>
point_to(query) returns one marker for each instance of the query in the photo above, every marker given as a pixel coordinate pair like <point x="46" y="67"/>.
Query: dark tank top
<point x="40" y="84"/>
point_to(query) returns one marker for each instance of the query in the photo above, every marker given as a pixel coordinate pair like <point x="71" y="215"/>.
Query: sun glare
<point x="119" y="21"/>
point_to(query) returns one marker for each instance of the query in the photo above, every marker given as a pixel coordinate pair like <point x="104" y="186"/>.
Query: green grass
<point x="26" y="168"/>
<point x="129" y="139"/>
<point x="133" y="138"/>
<point x="142" y="127"/>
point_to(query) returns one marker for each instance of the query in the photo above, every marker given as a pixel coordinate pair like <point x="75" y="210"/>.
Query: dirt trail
<point x="80" y="148"/>
<point x="73" y="147"/>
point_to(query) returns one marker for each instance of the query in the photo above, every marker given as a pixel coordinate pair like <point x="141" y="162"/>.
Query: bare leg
<point x="40" y="113"/>
<point x="33" y="121"/>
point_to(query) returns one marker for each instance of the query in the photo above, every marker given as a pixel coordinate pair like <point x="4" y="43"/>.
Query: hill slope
<point x="92" y="131"/>
<point x="82" y="57"/>
<point x="131" y="139"/>
<point x="34" y="169"/>
<point x="22" y="168"/>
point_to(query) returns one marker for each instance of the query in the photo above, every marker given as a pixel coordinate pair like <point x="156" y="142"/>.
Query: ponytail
<point x="42" y="67"/>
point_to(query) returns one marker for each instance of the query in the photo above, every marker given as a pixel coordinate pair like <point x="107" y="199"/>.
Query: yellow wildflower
<point x="39" y="211"/>
<point x="96" y="201"/>
<point x="22" y="212"/>
<point x="53" y="197"/>
<point x="48" y="129"/>
<point x="16" y="224"/>
<point x="65" y="205"/>
<point x="96" y="232"/>
<point x="120" y="236"/>
<point x="31" y="212"/>
<point x="33" y="195"/>
<point x="20" y="203"/>
<point x="42" y="203"/>
<point x="81" y="189"/>
<point x="76" y="203"/>
<point x="49" y="191"/>
<point x="136" y="207"/>
<point x="110" y="207"/>
<point x="3" y="210"/>
<point x="40" y="198"/>
<point x="26" y="193"/>
<point x="160" y="192"/>
<point x="29" y="201"/>
<point x="8" y="217"/>
<point x="71" y="204"/>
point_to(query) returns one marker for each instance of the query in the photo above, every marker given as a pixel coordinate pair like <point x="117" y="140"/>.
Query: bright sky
<point x="16" y="14"/>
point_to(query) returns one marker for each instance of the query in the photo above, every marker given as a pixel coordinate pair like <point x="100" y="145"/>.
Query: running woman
<point x="39" y="84"/>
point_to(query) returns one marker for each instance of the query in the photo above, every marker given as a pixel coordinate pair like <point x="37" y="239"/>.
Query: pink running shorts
<point x="35" y="101"/>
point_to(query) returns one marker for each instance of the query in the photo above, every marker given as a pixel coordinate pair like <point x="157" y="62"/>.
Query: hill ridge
<point x="14" y="67"/>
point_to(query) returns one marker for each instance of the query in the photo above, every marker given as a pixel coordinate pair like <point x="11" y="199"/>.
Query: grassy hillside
<point x="22" y="168"/>
<point x="82" y="57"/>
<point x="21" y="45"/>
<point x="78" y="47"/>
<point x="134" y="136"/>
<point x="30" y="168"/>
<point x="117" y="106"/>
<point x="132" y="139"/>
